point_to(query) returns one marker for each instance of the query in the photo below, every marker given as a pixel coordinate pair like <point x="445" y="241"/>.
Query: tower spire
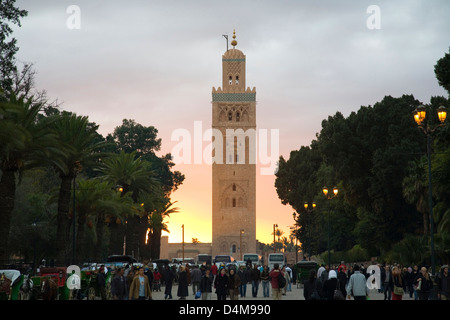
<point x="234" y="42"/>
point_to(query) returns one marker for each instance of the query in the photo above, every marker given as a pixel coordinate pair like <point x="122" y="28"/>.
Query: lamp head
<point x="420" y="114"/>
<point x="335" y="191"/>
<point x="442" y="113"/>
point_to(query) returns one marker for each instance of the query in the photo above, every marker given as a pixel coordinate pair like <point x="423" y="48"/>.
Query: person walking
<point x="287" y="276"/>
<point x="169" y="276"/>
<point x="357" y="285"/>
<point x="423" y="284"/>
<point x="274" y="274"/>
<point x="196" y="277"/>
<point x="234" y="282"/>
<point x="386" y="278"/>
<point x="444" y="284"/>
<point x="330" y="285"/>
<point x="310" y="291"/>
<point x="182" y="291"/>
<point x="397" y="284"/>
<point x="288" y="270"/>
<point x="221" y="284"/>
<point x="255" y="276"/>
<point x="101" y="282"/>
<point x="140" y="287"/>
<point x="119" y="285"/>
<point x="342" y="278"/>
<point x="244" y="276"/>
<point x="206" y="284"/>
<point x="409" y="279"/>
<point x="265" y="282"/>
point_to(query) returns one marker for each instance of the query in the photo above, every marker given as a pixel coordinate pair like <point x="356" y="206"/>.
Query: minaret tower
<point x="234" y="172"/>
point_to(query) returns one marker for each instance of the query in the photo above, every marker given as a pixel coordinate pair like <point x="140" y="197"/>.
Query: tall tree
<point x="24" y="143"/>
<point x="81" y="146"/>
<point x="9" y="13"/>
<point x="136" y="177"/>
<point x="442" y="71"/>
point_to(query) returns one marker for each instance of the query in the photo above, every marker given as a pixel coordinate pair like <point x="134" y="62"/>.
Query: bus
<point x="275" y="258"/>
<point x="202" y="259"/>
<point x="225" y="259"/>
<point x="254" y="258"/>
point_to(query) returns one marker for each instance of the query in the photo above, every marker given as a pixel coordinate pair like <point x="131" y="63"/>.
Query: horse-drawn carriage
<point x="303" y="269"/>
<point x="50" y="284"/>
<point x="90" y="288"/>
<point x="10" y="282"/>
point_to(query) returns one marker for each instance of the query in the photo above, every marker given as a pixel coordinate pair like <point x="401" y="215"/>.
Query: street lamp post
<point x="419" y="117"/>
<point x="295" y="234"/>
<point x="274" y="249"/>
<point x="329" y="197"/>
<point x="240" y="242"/>
<point x="309" y="212"/>
<point x="182" y="227"/>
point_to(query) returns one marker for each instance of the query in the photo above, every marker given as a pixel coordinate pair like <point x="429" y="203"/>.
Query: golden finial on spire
<point x="234" y="42"/>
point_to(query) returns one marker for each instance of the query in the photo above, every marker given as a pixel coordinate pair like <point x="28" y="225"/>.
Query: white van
<point x="275" y="258"/>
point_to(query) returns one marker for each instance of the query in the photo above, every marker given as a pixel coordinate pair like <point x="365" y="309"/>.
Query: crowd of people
<point x="137" y="283"/>
<point x="231" y="282"/>
<point x="395" y="281"/>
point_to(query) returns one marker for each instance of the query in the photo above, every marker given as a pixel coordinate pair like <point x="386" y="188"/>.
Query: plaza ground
<point x="294" y="294"/>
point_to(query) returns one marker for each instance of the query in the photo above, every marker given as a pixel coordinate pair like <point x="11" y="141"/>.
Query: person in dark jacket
<point x="182" y="292"/>
<point x="265" y="281"/>
<point x="234" y="282"/>
<point x="101" y="282"/>
<point x="330" y="285"/>
<point x="310" y="286"/>
<point x="119" y="288"/>
<point x="423" y="284"/>
<point x="255" y="276"/>
<point x="221" y="284"/>
<point x="243" y="274"/>
<point x="444" y="284"/>
<point x="342" y="278"/>
<point x="206" y="284"/>
<point x="169" y="276"/>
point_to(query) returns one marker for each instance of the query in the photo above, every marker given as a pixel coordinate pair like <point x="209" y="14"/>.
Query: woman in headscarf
<point x="221" y="284"/>
<point x="330" y="285"/>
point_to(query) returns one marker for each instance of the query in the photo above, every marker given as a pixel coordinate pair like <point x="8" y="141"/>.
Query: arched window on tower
<point x="233" y="248"/>
<point x="230" y="80"/>
<point x="237" y="79"/>
<point x="230" y="116"/>
<point x="234" y="202"/>
<point x="234" y="187"/>
<point x="238" y="116"/>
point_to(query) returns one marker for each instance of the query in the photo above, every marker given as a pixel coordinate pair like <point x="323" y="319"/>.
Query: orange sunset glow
<point x="194" y="200"/>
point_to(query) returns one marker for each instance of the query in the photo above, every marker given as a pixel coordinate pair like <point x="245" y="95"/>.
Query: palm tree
<point x="415" y="190"/>
<point x="156" y="225"/>
<point x="136" y="177"/>
<point x="24" y="143"/>
<point x="94" y="200"/>
<point x="80" y="141"/>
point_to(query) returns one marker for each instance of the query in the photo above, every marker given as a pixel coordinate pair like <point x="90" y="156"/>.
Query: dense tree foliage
<point x="60" y="178"/>
<point x="377" y="158"/>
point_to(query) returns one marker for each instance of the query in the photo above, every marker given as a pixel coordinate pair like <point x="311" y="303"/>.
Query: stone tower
<point x="234" y="165"/>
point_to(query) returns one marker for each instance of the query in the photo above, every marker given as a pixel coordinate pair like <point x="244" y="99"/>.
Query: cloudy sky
<point x="157" y="61"/>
